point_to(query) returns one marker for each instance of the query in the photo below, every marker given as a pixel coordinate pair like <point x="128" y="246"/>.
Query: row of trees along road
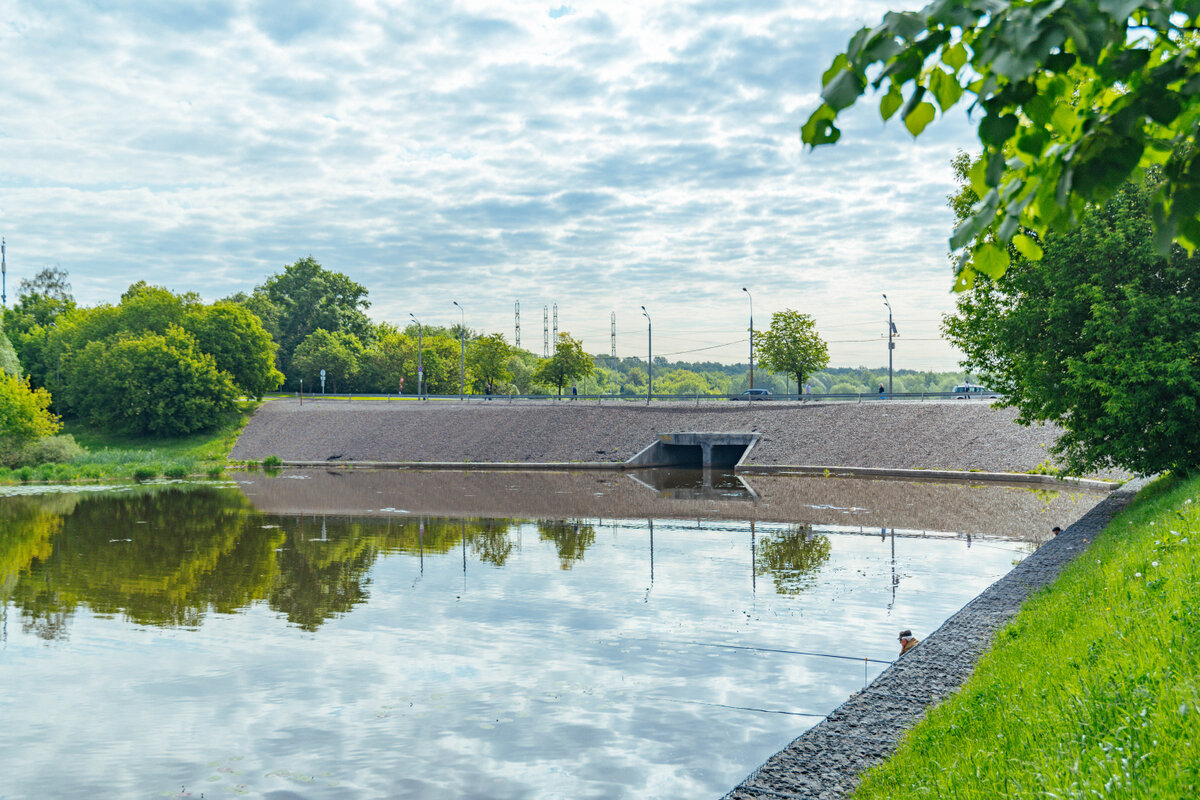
<point x="164" y="363"/>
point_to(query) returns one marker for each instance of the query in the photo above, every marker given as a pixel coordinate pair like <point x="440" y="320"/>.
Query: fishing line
<point x="757" y="649"/>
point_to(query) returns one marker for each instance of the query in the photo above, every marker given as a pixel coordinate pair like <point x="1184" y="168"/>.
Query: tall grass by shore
<point x="1093" y="690"/>
<point x="116" y="457"/>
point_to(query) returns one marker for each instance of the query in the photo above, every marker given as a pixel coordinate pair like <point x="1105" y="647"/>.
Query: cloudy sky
<point x="597" y="156"/>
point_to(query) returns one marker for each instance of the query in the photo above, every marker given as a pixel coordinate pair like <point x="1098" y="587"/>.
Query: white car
<point x="969" y="392"/>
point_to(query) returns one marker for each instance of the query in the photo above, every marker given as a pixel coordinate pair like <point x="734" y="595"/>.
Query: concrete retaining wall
<point x="883" y="434"/>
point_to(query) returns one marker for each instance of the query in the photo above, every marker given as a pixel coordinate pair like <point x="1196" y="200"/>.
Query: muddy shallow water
<point x="370" y="634"/>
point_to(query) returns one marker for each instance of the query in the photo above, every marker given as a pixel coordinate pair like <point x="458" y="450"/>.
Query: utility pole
<point x="747" y="291"/>
<point x="612" y="332"/>
<point x="891" y="345"/>
<point x="462" y="349"/>
<point x="420" y="368"/>
<point x="649" y="354"/>
<point x="545" y="331"/>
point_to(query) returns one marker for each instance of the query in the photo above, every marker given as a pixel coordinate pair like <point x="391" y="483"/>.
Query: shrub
<point x="24" y="474"/>
<point x="215" y="471"/>
<point x="144" y="472"/>
<point x="176" y="471"/>
<point x="51" y="450"/>
<point x="272" y="461"/>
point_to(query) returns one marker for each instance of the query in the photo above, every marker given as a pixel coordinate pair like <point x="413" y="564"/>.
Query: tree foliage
<point x="305" y="297"/>
<point x="1073" y="99"/>
<point x="239" y="345"/>
<point x="24" y="413"/>
<point x="568" y="363"/>
<point x="488" y="358"/>
<point x="1101" y="336"/>
<point x="336" y="353"/>
<point x="159" y="384"/>
<point x="9" y="363"/>
<point x="40" y="302"/>
<point x="792" y="345"/>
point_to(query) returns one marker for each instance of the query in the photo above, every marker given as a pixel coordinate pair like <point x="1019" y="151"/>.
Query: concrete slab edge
<point x="957" y="476"/>
<point x="954" y="476"/>
<point x="825" y="762"/>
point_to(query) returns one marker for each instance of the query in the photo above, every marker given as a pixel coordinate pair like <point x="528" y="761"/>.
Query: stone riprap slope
<point x="888" y="434"/>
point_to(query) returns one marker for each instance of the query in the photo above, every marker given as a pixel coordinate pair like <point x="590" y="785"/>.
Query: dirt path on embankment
<point x="889" y="434"/>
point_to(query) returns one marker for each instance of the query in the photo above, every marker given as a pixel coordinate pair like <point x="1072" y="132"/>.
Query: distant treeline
<point x="167" y="363"/>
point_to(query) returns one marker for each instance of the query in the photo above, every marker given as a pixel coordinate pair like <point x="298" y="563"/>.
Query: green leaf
<point x="1119" y="10"/>
<point x="965" y="280"/>
<point x="1027" y="247"/>
<point x="991" y="259"/>
<point x="945" y="88"/>
<point x="995" y="129"/>
<point x="955" y="57"/>
<point x="919" y="117"/>
<point x="890" y="102"/>
<point x="839" y="63"/>
<point x="820" y="128"/>
<point x="843" y="90"/>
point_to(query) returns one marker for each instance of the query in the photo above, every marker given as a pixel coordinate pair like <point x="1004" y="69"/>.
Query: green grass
<point x="117" y="457"/>
<point x="1094" y="689"/>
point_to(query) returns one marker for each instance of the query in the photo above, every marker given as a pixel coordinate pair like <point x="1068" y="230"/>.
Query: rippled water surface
<point x="235" y="640"/>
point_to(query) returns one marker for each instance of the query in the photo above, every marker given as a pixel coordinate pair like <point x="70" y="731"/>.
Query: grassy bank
<point x="115" y="457"/>
<point x="1093" y="691"/>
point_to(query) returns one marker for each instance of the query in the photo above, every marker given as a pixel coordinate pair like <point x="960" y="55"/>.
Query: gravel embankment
<point x="896" y="434"/>
<point x="825" y="762"/>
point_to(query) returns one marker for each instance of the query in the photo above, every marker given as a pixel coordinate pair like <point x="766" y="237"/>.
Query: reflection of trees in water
<point x="571" y="538"/>
<point x="195" y="549"/>
<point x="792" y="558"/>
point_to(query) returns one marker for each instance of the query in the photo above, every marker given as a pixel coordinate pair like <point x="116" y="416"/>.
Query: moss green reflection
<point x="169" y="555"/>
<point x="571" y="537"/>
<point x="792" y="558"/>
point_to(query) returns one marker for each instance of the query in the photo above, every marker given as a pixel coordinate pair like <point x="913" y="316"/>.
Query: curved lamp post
<point x="462" y="348"/>
<point x="747" y="291"/>
<point x="420" y="368"/>
<point x="649" y="354"/>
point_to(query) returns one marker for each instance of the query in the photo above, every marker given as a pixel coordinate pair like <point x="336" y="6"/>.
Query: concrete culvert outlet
<point x="696" y="450"/>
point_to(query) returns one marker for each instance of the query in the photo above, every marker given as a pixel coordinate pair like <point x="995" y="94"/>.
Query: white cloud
<point x="601" y="156"/>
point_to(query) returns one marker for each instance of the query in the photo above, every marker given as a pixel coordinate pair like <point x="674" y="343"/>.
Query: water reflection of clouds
<point x="522" y="681"/>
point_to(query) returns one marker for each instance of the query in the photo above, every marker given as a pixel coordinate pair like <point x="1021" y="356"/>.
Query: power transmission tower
<point x="545" y="332"/>
<point x="612" y="332"/>
<point x="3" y="274"/>
<point x="517" y="323"/>
<point x="555" y="339"/>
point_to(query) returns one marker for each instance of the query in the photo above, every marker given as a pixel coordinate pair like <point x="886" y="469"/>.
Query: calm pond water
<point x="232" y="639"/>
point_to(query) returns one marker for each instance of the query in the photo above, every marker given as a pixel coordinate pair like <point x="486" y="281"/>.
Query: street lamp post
<point x="462" y="349"/>
<point x="747" y="291"/>
<point x="649" y="354"/>
<point x="891" y="344"/>
<point x="420" y="368"/>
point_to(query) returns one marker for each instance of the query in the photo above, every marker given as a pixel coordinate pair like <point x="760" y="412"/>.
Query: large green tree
<point x="488" y="358"/>
<point x="151" y="383"/>
<point x="1101" y="336"/>
<point x="792" y="346"/>
<point x="28" y="324"/>
<point x="236" y="340"/>
<point x="336" y="353"/>
<point x="305" y="297"/>
<point x="568" y="363"/>
<point x="1072" y="99"/>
